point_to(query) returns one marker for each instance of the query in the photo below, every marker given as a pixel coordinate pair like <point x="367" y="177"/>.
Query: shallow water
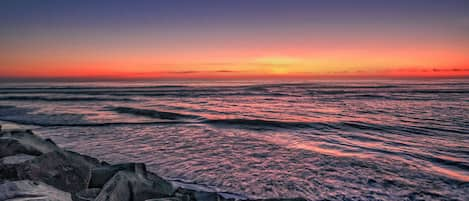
<point x="336" y="140"/>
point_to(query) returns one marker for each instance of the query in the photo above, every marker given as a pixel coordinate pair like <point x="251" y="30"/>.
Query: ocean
<point x="318" y="139"/>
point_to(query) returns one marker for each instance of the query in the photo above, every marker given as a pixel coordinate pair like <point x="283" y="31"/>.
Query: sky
<point x="234" y="39"/>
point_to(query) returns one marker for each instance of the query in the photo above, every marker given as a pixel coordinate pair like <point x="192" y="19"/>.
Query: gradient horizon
<point x="234" y="39"/>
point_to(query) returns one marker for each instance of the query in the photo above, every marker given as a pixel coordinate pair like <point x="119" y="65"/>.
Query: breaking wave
<point x="41" y="98"/>
<point x="154" y="113"/>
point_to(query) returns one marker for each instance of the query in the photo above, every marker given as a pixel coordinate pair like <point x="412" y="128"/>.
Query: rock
<point x="31" y="190"/>
<point x="16" y="159"/>
<point x="63" y="170"/>
<point x="164" y="186"/>
<point x="166" y="199"/>
<point x="13" y="142"/>
<point x="231" y="196"/>
<point x="280" y="199"/>
<point x="193" y="195"/>
<point x="130" y="186"/>
<point x="50" y="140"/>
<point x="9" y="166"/>
<point x="10" y="147"/>
<point x="92" y="162"/>
<point x="100" y="175"/>
<point x="195" y="192"/>
<point x="86" y="195"/>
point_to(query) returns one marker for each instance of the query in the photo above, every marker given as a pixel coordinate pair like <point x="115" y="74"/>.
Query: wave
<point x="227" y="122"/>
<point x="33" y="122"/>
<point x="441" y="91"/>
<point x="370" y="96"/>
<point x="26" y="116"/>
<point x="193" y="93"/>
<point x="259" y="123"/>
<point x="91" y="87"/>
<point x="10" y="110"/>
<point x="154" y="113"/>
<point x="245" y="123"/>
<point x="452" y="163"/>
<point x="6" y="107"/>
<point x="52" y="99"/>
<point x="338" y="126"/>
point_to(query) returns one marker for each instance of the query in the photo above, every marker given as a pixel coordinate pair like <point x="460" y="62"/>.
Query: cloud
<point x="451" y="70"/>
<point x="182" y="72"/>
<point x="194" y="72"/>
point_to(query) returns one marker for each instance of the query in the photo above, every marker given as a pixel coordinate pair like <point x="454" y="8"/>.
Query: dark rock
<point x="10" y="147"/>
<point x="193" y="195"/>
<point x="16" y="159"/>
<point x="280" y="199"/>
<point x="9" y="166"/>
<point x="166" y="199"/>
<point x="14" y="142"/>
<point x="93" y="162"/>
<point x="206" y="196"/>
<point x="62" y="170"/>
<point x="195" y="192"/>
<point x="100" y="175"/>
<point x="86" y="195"/>
<point x="31" y="190"/>
<point x="51" y="141"/>
<point x="130" y="186"/>
<point x="164" y="186"/>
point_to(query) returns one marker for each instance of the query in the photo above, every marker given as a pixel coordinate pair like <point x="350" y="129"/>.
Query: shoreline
<point x="33" y="167"/>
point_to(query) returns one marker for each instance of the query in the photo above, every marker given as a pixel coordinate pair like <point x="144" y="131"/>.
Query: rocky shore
<point x="32" y="168"/>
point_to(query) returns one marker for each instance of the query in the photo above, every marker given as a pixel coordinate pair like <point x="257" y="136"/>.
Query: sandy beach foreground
<point x="32" y="168"/>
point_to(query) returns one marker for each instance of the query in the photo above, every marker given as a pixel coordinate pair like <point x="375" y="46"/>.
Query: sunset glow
<point x="236" y="40"/>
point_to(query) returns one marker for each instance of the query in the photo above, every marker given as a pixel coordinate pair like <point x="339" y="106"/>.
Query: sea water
<point x="318" y="139"/>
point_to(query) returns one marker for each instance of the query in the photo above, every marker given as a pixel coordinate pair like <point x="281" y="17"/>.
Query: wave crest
<point x="154" y="113"/>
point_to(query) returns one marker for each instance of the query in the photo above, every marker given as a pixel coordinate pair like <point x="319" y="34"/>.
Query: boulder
<point x="10" y="147"/>
<point x="16" y="159"/>
<point x="164" y="186"/>
<point x="165" y="199"/>
<point x="130" y="186"/>
<point x="280" y="199"/>
<point x="90" y="161"/>
<point x="14" y="142"/>
<point x="31" y="190"/>
<point x="196" y="192"/>
<point x="195" y="195"/>
<point x="100" y="175"/>
<point x="63" y="170"/>
<point x="86" y="195"/>
<point x="9" y="166"/>
<point x="191" y="192"/>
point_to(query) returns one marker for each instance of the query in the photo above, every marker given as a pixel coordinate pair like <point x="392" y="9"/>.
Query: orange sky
<point x="337" y="40"/>
<point x="373" y="62"/>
